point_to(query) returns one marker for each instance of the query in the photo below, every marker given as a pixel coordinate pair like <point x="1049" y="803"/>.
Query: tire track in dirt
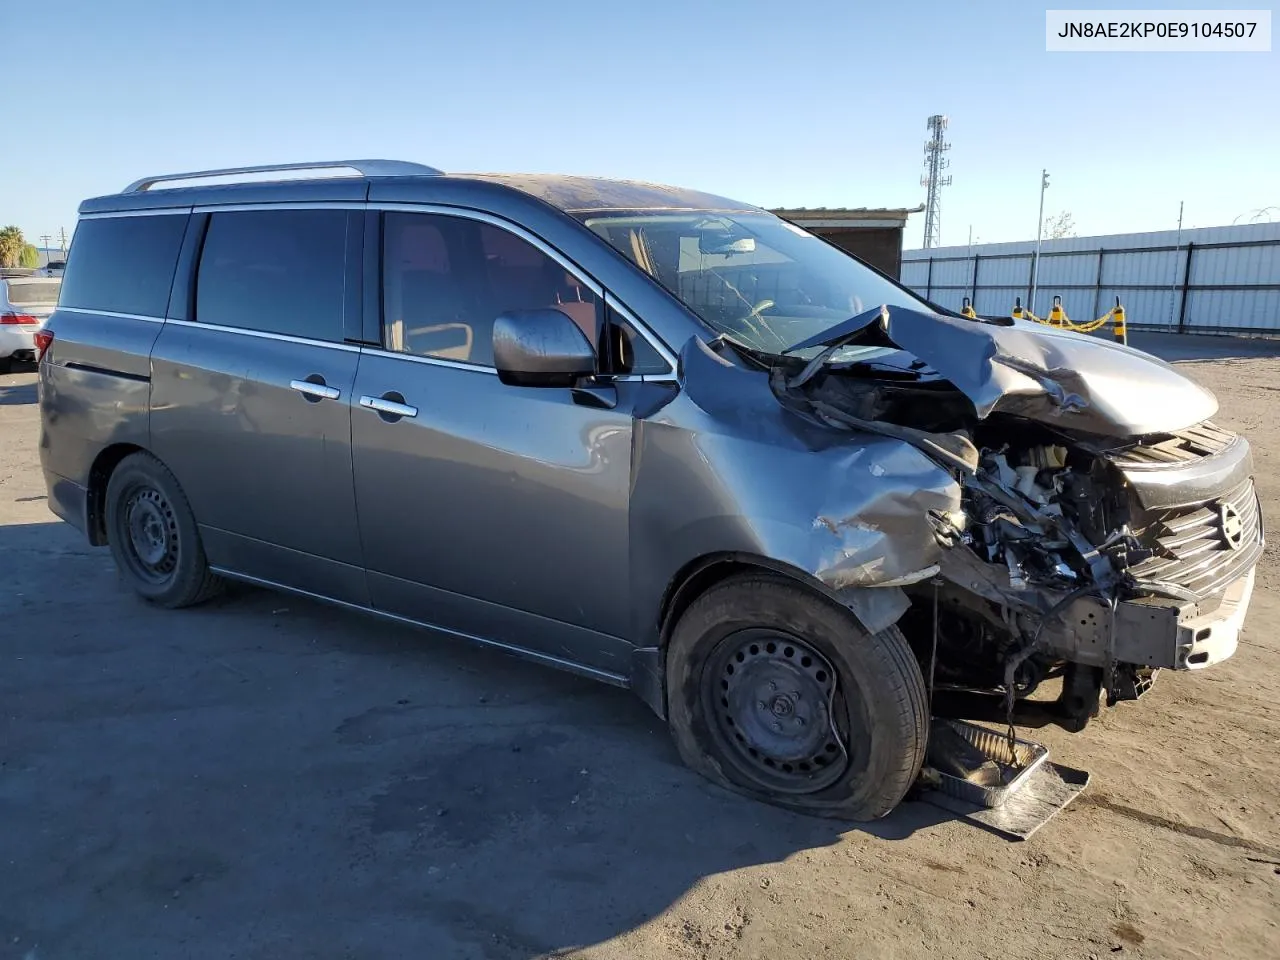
<point x="1103" y="802"/>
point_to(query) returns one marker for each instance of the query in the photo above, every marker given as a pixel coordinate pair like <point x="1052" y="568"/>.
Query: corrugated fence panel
<point x="1142" y="308"/>
<point x="915" y="273"/>
<point x="1244" y="261"/>
<point x="952" y="273"/>
<point x="998" y="301"/>
<point x="1222" y="265"/>
<point x="1006" y="272"/>
<point x="1075" y="302"/>
<point x="1078" y="269"/>
<point x="1233" y="310"/>
<point x="1147" y="268"/>
<point x="952" y="299"/>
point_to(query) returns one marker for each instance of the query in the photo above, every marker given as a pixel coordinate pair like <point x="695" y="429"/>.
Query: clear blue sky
<point x="778" y="103"/>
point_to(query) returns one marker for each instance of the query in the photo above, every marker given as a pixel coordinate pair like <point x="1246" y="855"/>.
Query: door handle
<point x="315" y="391"/>
<point x="389" y="408"/>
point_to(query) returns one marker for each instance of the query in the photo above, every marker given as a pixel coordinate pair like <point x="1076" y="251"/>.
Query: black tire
<point x="871" y="753"/>
<point x="153" y="535"/>
<point x="6" y="365"/>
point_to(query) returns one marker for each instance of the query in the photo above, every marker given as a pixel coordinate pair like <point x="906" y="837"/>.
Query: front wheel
<point x="153" y="535"/>
<point x="778" y="693"/>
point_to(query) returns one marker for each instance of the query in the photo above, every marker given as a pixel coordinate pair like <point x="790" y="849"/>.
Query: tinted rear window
<point x="33" y="291"/>
<point x="279" y="271"/>
<point x="123" y="264"/>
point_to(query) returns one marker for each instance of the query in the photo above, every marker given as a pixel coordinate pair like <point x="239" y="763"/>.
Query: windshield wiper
<point x="838" y="338"/>
<point x="753" y="354"/>
<point x="844" y="331"/>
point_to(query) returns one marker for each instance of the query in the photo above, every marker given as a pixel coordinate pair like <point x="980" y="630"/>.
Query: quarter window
<point x="277" y="271"/>
<point x="446" y="279"/>
<point x="124" y="264"/>
<point x="630" y="353"/>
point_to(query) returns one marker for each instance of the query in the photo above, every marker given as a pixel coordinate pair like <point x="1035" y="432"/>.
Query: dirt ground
<point x="267" y="778"/>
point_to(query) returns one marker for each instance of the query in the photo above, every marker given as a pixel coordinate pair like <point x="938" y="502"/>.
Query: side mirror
<point x="541" y="348"/>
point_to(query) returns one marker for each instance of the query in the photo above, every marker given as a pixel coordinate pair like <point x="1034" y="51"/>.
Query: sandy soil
<point x="265" y="778"/>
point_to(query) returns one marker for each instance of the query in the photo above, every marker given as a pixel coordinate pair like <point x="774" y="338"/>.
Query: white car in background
<point x="25" y="304"/>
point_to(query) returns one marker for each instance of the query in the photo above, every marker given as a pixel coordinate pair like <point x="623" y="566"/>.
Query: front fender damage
<point x="724" y="468"/>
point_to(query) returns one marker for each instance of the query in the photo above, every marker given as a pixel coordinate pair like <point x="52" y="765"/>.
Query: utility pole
<point x="63" y="232"/>
<point x="1035" y="264"/>
<point x="44" y="247"/>
<point x="1173" y="282"/>
<point x="934" y="164"/>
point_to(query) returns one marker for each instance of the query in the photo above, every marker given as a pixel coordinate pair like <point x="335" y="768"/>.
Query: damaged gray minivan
<point x="654" y="436"/>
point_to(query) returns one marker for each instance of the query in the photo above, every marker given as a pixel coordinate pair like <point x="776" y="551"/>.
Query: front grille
<point x="1185" y="446"/>
<point x="1192" y="546"/>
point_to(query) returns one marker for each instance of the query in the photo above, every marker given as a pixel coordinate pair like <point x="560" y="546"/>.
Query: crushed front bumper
<point x="1210" y="637"/>
<point x="1154" y="631"/>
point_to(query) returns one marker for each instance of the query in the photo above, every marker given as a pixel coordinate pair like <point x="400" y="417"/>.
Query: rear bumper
<point x="18" y="339"/>
<point x="68" y="500"/>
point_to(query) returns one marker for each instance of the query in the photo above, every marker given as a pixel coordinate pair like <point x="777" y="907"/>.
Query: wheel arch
<point x="700" y="575"/>
<point x="874" y="607"/>
<point x="104" y="464"/>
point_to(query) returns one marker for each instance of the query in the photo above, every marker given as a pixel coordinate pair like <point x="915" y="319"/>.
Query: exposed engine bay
<point x="1075" y="555"/>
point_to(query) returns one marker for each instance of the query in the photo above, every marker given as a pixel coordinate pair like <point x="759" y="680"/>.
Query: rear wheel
<point x="781" y="694"/>
<point x="153" y="535"/>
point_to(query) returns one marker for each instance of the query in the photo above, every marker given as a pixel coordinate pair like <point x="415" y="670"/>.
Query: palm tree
<point x="11" y="244"/>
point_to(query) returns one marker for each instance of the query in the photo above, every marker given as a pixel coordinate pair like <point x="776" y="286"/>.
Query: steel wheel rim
<point x="772" y="703"/>
<point x="150" y="531"/>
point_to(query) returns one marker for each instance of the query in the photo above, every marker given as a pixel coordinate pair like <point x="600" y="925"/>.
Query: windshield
<point x="752" y="276"/>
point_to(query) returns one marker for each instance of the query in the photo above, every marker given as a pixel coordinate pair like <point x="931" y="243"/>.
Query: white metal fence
<point x="1207" y="280"/>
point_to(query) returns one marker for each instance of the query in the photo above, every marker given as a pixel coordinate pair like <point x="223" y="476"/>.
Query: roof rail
<point x="366" y="168"/>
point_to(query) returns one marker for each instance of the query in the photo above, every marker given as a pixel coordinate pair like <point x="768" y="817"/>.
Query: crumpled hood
<point x="1027" y="369"/>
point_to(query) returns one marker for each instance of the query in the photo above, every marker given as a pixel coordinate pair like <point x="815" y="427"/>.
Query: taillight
<point x="18" y="318"/>
<point x="44" y="340"/>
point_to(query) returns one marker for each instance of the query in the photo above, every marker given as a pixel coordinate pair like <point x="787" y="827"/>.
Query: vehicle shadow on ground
<point x="14" y="394"/>
<point x="265" y="774"/>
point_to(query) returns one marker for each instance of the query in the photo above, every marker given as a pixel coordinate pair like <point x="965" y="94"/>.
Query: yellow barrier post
<point x="1122" y="335"/>
<point x="967" y="310"/>
<point x="1057" y="317"/>
<point x="1017" y="309"/>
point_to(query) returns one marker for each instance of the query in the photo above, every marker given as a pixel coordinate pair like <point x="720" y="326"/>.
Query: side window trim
<point x="668" y="357"/>
<point x="371" y="275"/>
<point x="145" y="212"/>
<point x="353" y="277"/>
<point x="182" y="292"/>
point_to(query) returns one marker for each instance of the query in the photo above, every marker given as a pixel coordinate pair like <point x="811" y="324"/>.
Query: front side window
<point x="275" y="271"/>
<point x="446" y="279"/>
<point x="124" y="264"/>
<point x="754" y="277"/>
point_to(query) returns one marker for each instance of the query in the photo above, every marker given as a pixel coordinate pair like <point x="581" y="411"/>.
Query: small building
<point x="871" y="234"/>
